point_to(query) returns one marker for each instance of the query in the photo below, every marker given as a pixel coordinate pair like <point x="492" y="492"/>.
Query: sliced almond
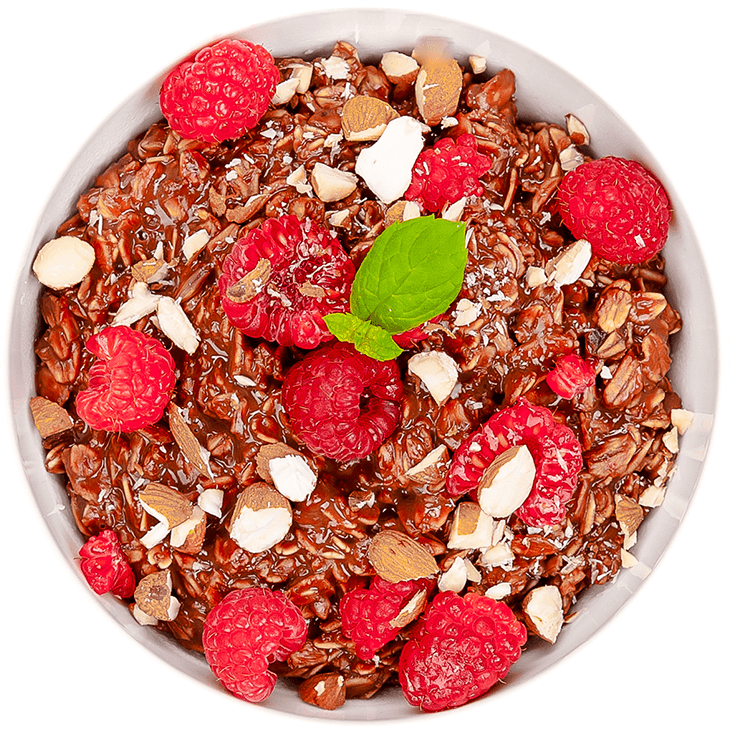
<point x="186" y="440"/>
<point x="577" y="130"/>
<point x="153" y="596"/>
<point x="438" y="89"/>
<point x="49" y="418"/>
<point x="682" y="419"/>
<point x="438" y="372"/>
<point x="188" y="537"/>
<point x="568" y="266"/>
<point x="175" y="324"/>
<point x="499" y="591"/>
<point x="403" y="210"/>
<point x="150" y="271"/>
<point x="470" y="528"/>
<point x="543" y="611"/>
<point x="432" y="468"/>
<point x="396" y="557"/>
<point x="285" y="91"/>
<point x="331" y="184"/>
<point x="507" y="482"/>
<point x="411" y="610"/>
<point x="629" y="514"/>
<point x="252" y="284"/>
<point x="652" y="496"/>
<point x="141" y="303"/>
<point x="64" y="262"/>
<point x="166" y="504"/>
<point x="195" y="242"/>
<point x="364" y="118"/>
<point x="261" y="518"/>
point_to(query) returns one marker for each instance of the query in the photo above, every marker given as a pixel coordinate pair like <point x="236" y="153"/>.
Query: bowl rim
<point x="703" y="482"/>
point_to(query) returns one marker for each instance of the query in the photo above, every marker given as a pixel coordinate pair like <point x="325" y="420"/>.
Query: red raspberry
<point x="105" y="566"/>
<point x="303" y="274"/>
<point x="458" y="650"/>
<point x="618" y="206"/>
<point x="448" y="172"/>
<point x="341" y="403"/>
<point x="553" y="446"/>
<point x="570" y="376"/>
<point x="130" y="383"/>
<point x="221" y="92"/>
<point x="368" y="613"/>
<point x="245" y="632"/>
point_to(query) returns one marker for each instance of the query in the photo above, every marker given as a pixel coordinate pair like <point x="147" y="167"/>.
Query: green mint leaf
<point x="413" y="272"/>
<point x="368" y="338"/>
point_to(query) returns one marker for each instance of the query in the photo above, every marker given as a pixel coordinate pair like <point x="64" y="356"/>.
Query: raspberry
<point x="245" y="632"/>
<point x="105" y="566"/>
<point x="618" y="206"/>
<point x="368" y="613"/>
<point x="448" y="172"/>
<point x="570" y="376"/>
<point x="458" y="650"/>
<point x="130" y="383"/>
<point x="280" y="280"/>
<point x="341" y="403"/>
<point x="553" y="446"/>
<point x="221" y="92"/>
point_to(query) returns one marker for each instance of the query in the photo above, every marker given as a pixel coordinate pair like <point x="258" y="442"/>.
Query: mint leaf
<point x="413" y="272"/>
<point x="368" y="338"/>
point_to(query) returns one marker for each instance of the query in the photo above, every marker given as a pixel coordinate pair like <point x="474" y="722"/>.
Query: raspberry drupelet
<point x="105" y="566"/>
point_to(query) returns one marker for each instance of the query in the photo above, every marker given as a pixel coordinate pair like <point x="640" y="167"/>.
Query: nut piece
<point x="682" y="419"/>
<point x="437" y="371"/>
<point x="577" y="130"/>
<point x="211" y="501"/>
<point x="298" y="180"/>
<point x="189" y="536"/>
<point x="478" y="64"/>
<point x="195" y="242"/>
<point x="289" y="471"/>
<point x="432" y="468"/>
<point x="262" y="517"/>
<point x="186" y="440"/>
<point x="331" y="184"/>
<point x="63" y="262"/>
<point x="324" y="690"/>
<point x="471" y="528"/>
<point x="175" y="324"/>
<point x="438" y="88"/>
<point x="399" y="68"/>
<point x="387" y="166"/>
<point x="396" y="557"/>
<point x="166" y="504"/>
<point x="364" y="118"/>
<point x="411" y="610"/>
<point x="403" y="210"/>
<point x="141" y="302"/>
<point x="507" y="482"/>
<point x="543" y="610"/>
<point x="49" y="418"/>
<point x="454" y="579"/>
<point x="153" y="596"/>
<point x="285" y="91"/>
<point x="629" y="514"/>
<point x="568" y="266"/>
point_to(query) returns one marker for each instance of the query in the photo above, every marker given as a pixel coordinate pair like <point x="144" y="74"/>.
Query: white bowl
<point x="544" y="91"/>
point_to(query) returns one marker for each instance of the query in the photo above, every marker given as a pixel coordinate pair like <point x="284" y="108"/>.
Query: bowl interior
<point x="544" y="91"/>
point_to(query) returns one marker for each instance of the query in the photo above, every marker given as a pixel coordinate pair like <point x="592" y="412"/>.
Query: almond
<point x="470" y="528"/>
<point x="403" y="210"/>
<point x="287" y="470"/>
<point x="166" y="504"/>
<point x="64" y="262"/>
<point x="543" y="611"/>
<point x="49" y="418"/>
<point x="364" y="118"/>
<point x="432" y="468"/>
<point x="186" y="440"/>
<point x="261" y="518"/>
<point x="324" y="690"/>
<point x="411" y="610"/>
<point x="577" y="130"/>
<point x="154" y="598"/>
<point x="331" y="184"/>
<point x="141" y="303"/>
<point x="629" y="514"/>
<point x="188" y="536"/>
<point x="507" y="482"/>
<point x="437" y="371"/>
<point x="252" y="284"/>
<point x="211" y="501"/>
<point x="568" y="266"/>
<point x="396" y="557"/>
<point x="454" y="579"/>
<point x="175" y="324"/>
<point x="399" y="68"/>
<point x="438" y="88"/>
<point x="682" y="419"/>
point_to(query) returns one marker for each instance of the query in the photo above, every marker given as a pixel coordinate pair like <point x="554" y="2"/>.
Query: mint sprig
<point x="413" y="272"/>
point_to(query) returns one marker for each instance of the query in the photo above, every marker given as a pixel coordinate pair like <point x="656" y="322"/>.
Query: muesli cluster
<point x="354" y="377"/>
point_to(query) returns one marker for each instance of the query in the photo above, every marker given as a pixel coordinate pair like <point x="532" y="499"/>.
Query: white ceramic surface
<point x="545" y="92"/>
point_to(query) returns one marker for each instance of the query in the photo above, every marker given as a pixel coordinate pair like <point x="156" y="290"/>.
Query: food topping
<point x="356" y="377"/>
